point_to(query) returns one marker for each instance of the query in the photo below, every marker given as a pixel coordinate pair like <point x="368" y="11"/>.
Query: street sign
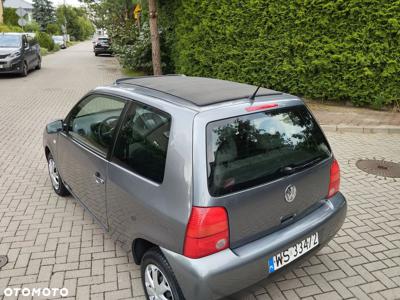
<point x="22" y="22"/>
<point x="21" y="12"/>
<point x="137" y="11"/>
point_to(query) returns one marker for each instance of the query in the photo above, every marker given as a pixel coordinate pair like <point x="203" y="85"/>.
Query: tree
<point x="10" y="16"/>
<point x="77" y="23"/>
<point x="1" y="11"/>
<point x="43" y="13"/>
<point x="155" y="38"/>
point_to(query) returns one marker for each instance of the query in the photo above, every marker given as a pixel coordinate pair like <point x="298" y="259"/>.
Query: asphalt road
<point x="52" y="242"/>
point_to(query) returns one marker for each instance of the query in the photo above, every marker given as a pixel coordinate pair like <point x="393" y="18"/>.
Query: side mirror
<point x="55" y="126"/>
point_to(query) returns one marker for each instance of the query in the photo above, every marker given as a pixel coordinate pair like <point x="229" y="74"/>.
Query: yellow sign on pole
<point x="137" y="11"/>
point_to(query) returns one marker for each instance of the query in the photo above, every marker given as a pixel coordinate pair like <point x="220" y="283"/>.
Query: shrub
<point x="53" y="29"/>
<point x="10" y="16"/>
<point x="134" y="49"/>
<point x="43" y="51"/>
<point x="324" y="49"/>
<point x="45" y="40"/>
<point x="10" y="28"/>
<point x="32" y="27"/>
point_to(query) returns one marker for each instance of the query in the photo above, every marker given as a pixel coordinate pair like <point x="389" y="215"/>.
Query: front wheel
<point x="55" y="177"/>
<point x="158" y="279"/>
<point x="39" y="64"/>
<point x="24" y="71"/>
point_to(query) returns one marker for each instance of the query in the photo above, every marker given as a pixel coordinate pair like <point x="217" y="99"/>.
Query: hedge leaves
<point x="339" y="50"/>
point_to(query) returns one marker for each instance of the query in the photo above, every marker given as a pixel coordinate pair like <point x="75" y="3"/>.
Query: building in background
<point x="21" y="3"/>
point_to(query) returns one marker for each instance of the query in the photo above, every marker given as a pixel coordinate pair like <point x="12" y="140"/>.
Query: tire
<point x="96" y="54"/>
<point x="58" y="185"/>
<point x="39" y="65"/>
<point x="24" y="71"/>
<point x="154" y="262"/>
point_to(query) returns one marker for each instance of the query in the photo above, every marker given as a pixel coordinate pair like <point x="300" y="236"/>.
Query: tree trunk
<point x="155" y="38"/>
<point x="1" y="12"/>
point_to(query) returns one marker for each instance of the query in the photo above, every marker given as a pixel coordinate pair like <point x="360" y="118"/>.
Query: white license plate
<point x="287" y="256"/>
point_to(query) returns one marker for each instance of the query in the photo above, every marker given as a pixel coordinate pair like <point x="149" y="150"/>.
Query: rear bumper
<point x="101" y="50"/>
<point x="231" y="270"/>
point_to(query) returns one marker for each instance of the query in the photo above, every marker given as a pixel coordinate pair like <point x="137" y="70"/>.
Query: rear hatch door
<point x="267" y="168"/>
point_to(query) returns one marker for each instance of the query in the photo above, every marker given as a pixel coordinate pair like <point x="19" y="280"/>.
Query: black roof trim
<point x="198" y="91"/>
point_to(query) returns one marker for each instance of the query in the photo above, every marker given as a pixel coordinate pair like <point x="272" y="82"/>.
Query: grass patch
<point x="43" y="51"/>
<point x="132" y="73"/>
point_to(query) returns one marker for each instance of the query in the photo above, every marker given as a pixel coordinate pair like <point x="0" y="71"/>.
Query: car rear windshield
<point x="253" y="149"/>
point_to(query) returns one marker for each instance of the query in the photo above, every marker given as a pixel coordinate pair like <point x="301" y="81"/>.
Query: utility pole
<point x="155" y="38"/>
<point x="1" y="12"/>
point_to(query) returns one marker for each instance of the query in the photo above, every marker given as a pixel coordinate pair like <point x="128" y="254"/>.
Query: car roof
<point x="199" y="91"/>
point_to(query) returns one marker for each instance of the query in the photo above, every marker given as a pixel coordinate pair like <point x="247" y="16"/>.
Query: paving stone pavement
<point x="52" y="242"/>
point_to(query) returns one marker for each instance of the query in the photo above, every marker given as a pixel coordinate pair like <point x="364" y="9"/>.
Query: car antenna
<point x="253" y="97"/>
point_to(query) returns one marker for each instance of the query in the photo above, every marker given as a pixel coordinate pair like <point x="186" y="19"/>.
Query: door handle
<point x="98" y="178"/>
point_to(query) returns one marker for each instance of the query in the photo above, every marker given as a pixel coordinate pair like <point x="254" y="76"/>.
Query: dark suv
<point x="102" y="46"/>
<point x="19" y="53"/>
<point x="211" y="186"/>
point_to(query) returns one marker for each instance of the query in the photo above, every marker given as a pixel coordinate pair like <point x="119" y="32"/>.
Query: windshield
<point x="10" y="41"/>
<point x="250" y="150"/>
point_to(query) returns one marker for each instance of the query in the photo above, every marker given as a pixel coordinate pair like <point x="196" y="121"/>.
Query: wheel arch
<point x="46" y="151"/>
<point x="139" y="248"/>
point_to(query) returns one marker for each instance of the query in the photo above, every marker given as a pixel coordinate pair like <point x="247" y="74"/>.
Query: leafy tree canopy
<point x="43" y="13"/>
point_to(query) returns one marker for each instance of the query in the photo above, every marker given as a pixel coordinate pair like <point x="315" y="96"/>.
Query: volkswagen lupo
<point x="211" y="185"/>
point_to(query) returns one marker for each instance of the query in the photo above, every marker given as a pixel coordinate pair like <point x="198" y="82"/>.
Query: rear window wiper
<point x="294" y="168"/>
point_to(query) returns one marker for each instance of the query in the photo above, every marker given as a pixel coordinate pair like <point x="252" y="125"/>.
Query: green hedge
<point x="10" y="28"/>
<point x="45" y="40"/>
<point x="338" y="50"/>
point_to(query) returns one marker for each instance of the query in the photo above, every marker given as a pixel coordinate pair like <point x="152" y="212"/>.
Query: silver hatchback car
<point x="213" y="185"/>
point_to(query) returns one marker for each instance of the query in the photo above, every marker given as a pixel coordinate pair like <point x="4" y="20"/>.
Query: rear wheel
<point x="55" y="177"/>
<point x="158" y="279"/>
<point x="96" y="54"/>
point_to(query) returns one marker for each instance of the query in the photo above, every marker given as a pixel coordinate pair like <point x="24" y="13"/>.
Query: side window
<point x="94" y="120"/>
<point x="142" y="142"/>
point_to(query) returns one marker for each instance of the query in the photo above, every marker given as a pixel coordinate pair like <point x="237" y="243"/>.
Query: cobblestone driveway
<point x="52" y="242"/>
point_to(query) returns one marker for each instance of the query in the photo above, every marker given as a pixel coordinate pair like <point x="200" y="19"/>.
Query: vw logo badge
<point x="290" y="193"/>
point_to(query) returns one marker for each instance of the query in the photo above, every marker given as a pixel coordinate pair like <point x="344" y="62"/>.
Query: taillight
<point x="334" y="181"/>
<point x="207" y="232"/>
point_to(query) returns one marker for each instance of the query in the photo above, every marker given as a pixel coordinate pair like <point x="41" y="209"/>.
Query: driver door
<point x="83" y="148"/>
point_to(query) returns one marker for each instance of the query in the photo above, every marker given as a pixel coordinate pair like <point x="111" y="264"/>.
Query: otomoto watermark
<point x="30" y="292"/>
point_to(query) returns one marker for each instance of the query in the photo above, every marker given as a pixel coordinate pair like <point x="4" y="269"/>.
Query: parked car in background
<point x="102" y="45"/>
<point x="60" y="41"/>
<point x="19" y="53"/>
<point x="210" y="188"/>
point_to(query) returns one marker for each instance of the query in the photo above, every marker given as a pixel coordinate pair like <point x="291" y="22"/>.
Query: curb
<point x="362" y="129"/>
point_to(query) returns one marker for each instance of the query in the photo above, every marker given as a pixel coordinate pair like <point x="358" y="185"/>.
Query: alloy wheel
<point x="157" y="285"/>
<point x="55" y="178"/>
